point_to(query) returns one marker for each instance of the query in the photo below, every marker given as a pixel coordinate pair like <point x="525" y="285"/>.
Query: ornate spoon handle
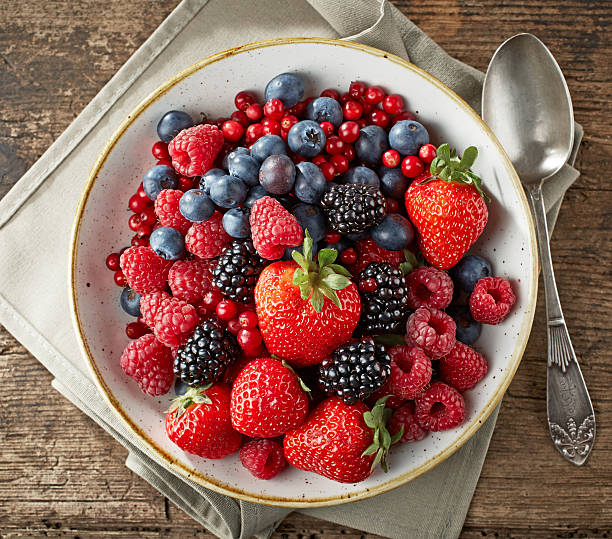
<point x="571" y="419"/>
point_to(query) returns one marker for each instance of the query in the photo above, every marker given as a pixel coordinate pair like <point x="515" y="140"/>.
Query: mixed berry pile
<point x="299" y="275"/>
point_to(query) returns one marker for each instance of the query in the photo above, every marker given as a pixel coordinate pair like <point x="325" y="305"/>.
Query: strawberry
<point x="306" y="309"/>
<point x="199" y="422"/>
<point x="267" y="399"/>
<point x="340" y="441"/>
<point x="448" y="209"/>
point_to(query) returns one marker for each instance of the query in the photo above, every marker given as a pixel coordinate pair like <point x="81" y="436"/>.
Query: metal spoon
<point x="527" y="104"/>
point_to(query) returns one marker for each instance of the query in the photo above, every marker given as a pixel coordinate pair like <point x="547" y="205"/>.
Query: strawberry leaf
<point x="300" y="260"/>
<point x="468" y="158"/>
<point x="299" y="277"/>
<point x="376" y="419"/>
<point x="340" y="269"/>
<point x="327" y="256"/>
<point x="336" y="282"/>
<point x="370" y="450"/>
<point x="317" y="300"/>
<point x="194" y="395"/>
<point x="330" y="294"/>
<point x="369" y="419"/>
<point x="302" y="384"/>
<point x="397" y="436"/>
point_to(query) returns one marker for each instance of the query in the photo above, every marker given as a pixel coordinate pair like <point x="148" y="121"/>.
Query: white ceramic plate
<point x="209" y="86"/>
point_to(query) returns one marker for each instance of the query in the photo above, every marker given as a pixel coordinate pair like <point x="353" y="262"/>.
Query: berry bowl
<point x="508" y="242"/>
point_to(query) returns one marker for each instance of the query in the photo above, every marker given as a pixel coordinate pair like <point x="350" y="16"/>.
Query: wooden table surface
<point x="61" y="475"/>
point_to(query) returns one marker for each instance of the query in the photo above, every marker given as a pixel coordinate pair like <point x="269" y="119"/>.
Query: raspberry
<point x="149" y="305"/>
<point x="273" y="228"/>
<point x="167" y="210"/>
<point x="431" y="329"/>
<point x="150" y="363"/>
<point x="404" y="417"/>
<point x="144" y="270"/>
<point x="193" y="150"/>
<point x="392" y="402"/>
<point x="491" y="300"/>
<point x="369" y="251"/>
<point x="441" y="407"/>
<point x="263" y="458"/>
<point x="174" y="321"/>
<point x="190" y="279"/>
<point x="410" y="371"/>
<point x="430" y="287"/>
<point x="207" y="239"/>
<point x="463" y="367"/>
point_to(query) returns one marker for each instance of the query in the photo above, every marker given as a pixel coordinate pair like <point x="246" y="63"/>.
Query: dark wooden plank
<point x="61" y="476"/>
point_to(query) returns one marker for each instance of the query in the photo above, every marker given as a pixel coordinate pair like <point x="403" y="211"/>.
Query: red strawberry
<point x="199" y="422"/>
<point x="337" y="440"/>
<point x="267" y="399"/>
<point x="306" y="309"/>
<point x="448" y="209"/>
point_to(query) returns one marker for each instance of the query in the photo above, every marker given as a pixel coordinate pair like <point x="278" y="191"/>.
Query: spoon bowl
<point x="528" y="106"/>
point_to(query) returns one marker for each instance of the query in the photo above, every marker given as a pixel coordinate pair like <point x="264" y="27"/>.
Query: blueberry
<point x="236" y="222"/>
<point x="341" y="245"/>
<point x="469" y="270"/>
<point x="195" y="206"/>
<point x="245" y="168"/>
<point x="468" y="330"/>
<point x="255" y="193"/>
<point x="228" y="192"/>
<point x="167" y="243"/>
<point x="235" y="152"/>
<point x="407" y="136"/>
<point x="324" y="109"/>
<point x="310" y="184"/>
<point x="358" y="236"/>
<point x="210" y="177"/>
<point x="394" y="233"/>
<point x="289" y="250"/>
<point x="172" y="123"/>
<point x="157" y="179"/>
<point x="311" y="218"/>
<point x="288" y="87"/>
<point x="130" y="302"/>
<point x="277" y="174"/>
<point x="371" y="144"/>
<point x="306" y="138"/>
<point x="393" y="183"/>
<point x="363" y="175"/>
<point x="180" y="387"/>
<point x="266" y="146"/>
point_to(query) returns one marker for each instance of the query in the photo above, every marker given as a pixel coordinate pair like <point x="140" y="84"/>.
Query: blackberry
<point x="355" y="371"/>
<point x="206" y="354"/>
<point x="384" y="299"/>
<point x="237" y="270"/>
<point x="353" y="208"/>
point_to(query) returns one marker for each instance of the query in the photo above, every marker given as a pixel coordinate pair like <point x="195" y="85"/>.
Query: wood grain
<point x="60" y="475"/>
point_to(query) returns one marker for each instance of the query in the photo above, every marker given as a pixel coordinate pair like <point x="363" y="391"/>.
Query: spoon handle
<point x="571" y="419"/>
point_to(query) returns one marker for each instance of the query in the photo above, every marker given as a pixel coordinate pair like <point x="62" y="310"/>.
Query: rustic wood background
<point x="61" y="475"/>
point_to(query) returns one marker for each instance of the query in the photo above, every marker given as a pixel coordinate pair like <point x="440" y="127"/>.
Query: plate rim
<point x="182" y="468"/>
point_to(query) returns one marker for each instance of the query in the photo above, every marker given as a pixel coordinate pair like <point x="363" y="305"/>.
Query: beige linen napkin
<point x="36" y="219"/>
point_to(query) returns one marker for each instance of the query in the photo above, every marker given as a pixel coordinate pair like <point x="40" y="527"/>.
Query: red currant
<point x="120" y="279"/>
<point x="361" y="123"/>
<point x="144" y="230"/>
<point x="137" y="204"/>
<point x="330" y="92"/>
<point x="393" y="104"/>
<point x="248" y="320"/>
<point x="220" y="121"/>
<point x="328" y="128"/>
<point x="392" y="205"/>
<point x="357" y="89"/>
<point x="140" y="241"/>
<point x="341" y="164"/>
<point x="166" y="161"/>
<point x="380" y="118"/>
<point x="254" y="112"/>
<point x="233" y="326"/>
<point x="134" y="221"/>
<point x="348" y="256"/>
<point x="227" y="309"/>
<point x="112" y="262"/>
<point x="160" y="150"/>
<point x="240" y="117"/>
<point x="318" y="159"/>
<point x="148" y="216"/>
<point x="253" y="133"/>
<point x="141" y="193"/>
<point x="412" y="166"/>
<point x="332" y="237"/>
<point x="298" y="109"/>
<point x="334" y="145"/>
<point x="270" y="127"/>
<point x="274" y="109"/>
<point x="328" y="170"/>
<point x="344" y="98"/>
<point x="232" y="130"/>
<point x="185" y="184"/>
<point x="243" y="100"/>
<point x="348" y="131"/>
<point x="374" y="95"/>
<point x="405" y="115"/>
<point x="427" y="153"/>
<point x="367" y="108"/>
<point x="368" y="285"/>
<point x="353" y="110"/>
<point x="284" y="135"/>
<point x="134" y="330"/>
<point x="249" y="339"/>
<point x="211" y="299"/>
<point x="288" y="121"/>
<point x="297" y="158"/>
<point x="349" y="152"/>
<point x="391" y="158"/>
